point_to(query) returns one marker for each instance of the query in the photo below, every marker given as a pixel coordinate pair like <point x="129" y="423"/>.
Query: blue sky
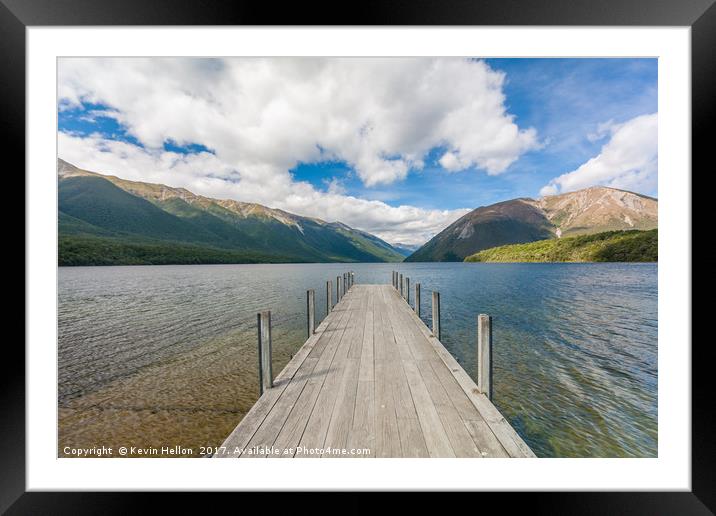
<point x="564" y="99"/>
<point x="339" y="139"/>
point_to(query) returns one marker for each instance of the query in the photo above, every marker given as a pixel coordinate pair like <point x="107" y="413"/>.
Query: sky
<point x="398" y="147"/>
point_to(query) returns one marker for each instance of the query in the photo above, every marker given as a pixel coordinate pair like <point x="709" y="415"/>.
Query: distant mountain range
<point x="107" y="220"/>
<point x="588" y="211"/>
<point x="405" y="249"/>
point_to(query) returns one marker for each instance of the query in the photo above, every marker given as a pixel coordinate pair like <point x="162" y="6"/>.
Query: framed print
<point x="420" y="236"/>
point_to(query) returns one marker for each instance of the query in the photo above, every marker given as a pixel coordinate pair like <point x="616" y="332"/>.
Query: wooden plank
<point x="485" y="439"/>
<point x="357" y="337"/>
<point x="387" y="442"/>
<point x="265" y="358"/>
<point x="310" y="312"/>
<point x="292" y="431"/>
<point x="436" y="314"/>
<point x="367" y="370"/>
<point x="508" y="437"/>
<point x="460" y="439"/>
<point x="434" y="433"/>
<point x="455" y="393"/>
<point x="412" y="343"/>
<point x="315" y="434"/>
<point x="262" y="441"/>
<point x="241" y="435"/>
<point x="484" y="354"/>
<point x="417" y="299"/>
<point x="342" y="416"/>
<point x="412" y="442"/>
<point x="290" y="435"/>
<point x="272" y="425"/>
<point x="362" y="432"/>
<point x="373" y="376"/>
<point x="387" y="438"/>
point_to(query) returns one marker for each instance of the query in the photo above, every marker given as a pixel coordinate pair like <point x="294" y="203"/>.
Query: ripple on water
<point x="167" y="355"/>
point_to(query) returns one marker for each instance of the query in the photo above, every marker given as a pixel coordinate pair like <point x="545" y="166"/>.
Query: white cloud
<point x="628" y="160"/>
<point x="261" y="117"/>
<point x="205" y="174"/>
<point x="335" y="186"/>
<point x="603" y="130"/>
<point x="452" y="162"/>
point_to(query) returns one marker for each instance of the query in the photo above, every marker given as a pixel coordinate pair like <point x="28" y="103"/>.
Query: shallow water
<point x="166" y="355"/>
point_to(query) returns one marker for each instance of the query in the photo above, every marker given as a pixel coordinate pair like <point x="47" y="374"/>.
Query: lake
<point x="166" y="355"/>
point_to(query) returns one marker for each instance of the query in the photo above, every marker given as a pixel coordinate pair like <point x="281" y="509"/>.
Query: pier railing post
<point x="436" y="314"/>
<point x="417" y="299"/>
<point x="311" y="312"/>
<point x="353" y="278"/>
<point x="484" y="354"/>
<point x="407" y="290"/>
<point x="329" y="297"/>
<point x="338" y="289"/>
<point x="395" y="280"/>
<point x="265" y="369"/>
<point x="401" y="285"/>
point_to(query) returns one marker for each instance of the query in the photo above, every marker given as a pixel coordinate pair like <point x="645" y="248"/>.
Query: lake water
<point x="166" y="355"/>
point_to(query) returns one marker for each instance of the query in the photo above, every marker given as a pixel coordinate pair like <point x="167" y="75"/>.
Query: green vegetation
<point x="89" y="250"/>
<point x="610" y="246"/>
<point x="102" y="224"/>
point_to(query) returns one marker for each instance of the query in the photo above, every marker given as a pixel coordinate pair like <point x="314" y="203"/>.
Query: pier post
<point x="353" y="278"/>
<point x="311" y="311"/>
<point x="407" y="290"/>
<point x="401" y="285"/>
<point x="436" y="314"/>
<point x="417" y="299"/>
<point x="484" y="355"/>
<point x="338" y="289"/>
<point x="329" y="297"/>
<point x="265" y="369"/>
<point x="395" y="283"/>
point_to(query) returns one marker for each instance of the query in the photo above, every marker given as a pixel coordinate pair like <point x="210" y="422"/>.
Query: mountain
<point x="610" y="246"/>
<point x="517" y="221"/>
<point x="405" y="249"/>
<point x="107" y="220"/>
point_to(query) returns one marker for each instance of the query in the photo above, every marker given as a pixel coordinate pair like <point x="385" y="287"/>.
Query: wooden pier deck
<point x="373" y="381"/>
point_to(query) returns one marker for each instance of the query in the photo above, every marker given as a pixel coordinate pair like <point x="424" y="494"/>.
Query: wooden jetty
<point x="373" y="381"/>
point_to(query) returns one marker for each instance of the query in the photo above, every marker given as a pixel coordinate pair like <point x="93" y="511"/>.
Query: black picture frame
<point x="700" y="15"/>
